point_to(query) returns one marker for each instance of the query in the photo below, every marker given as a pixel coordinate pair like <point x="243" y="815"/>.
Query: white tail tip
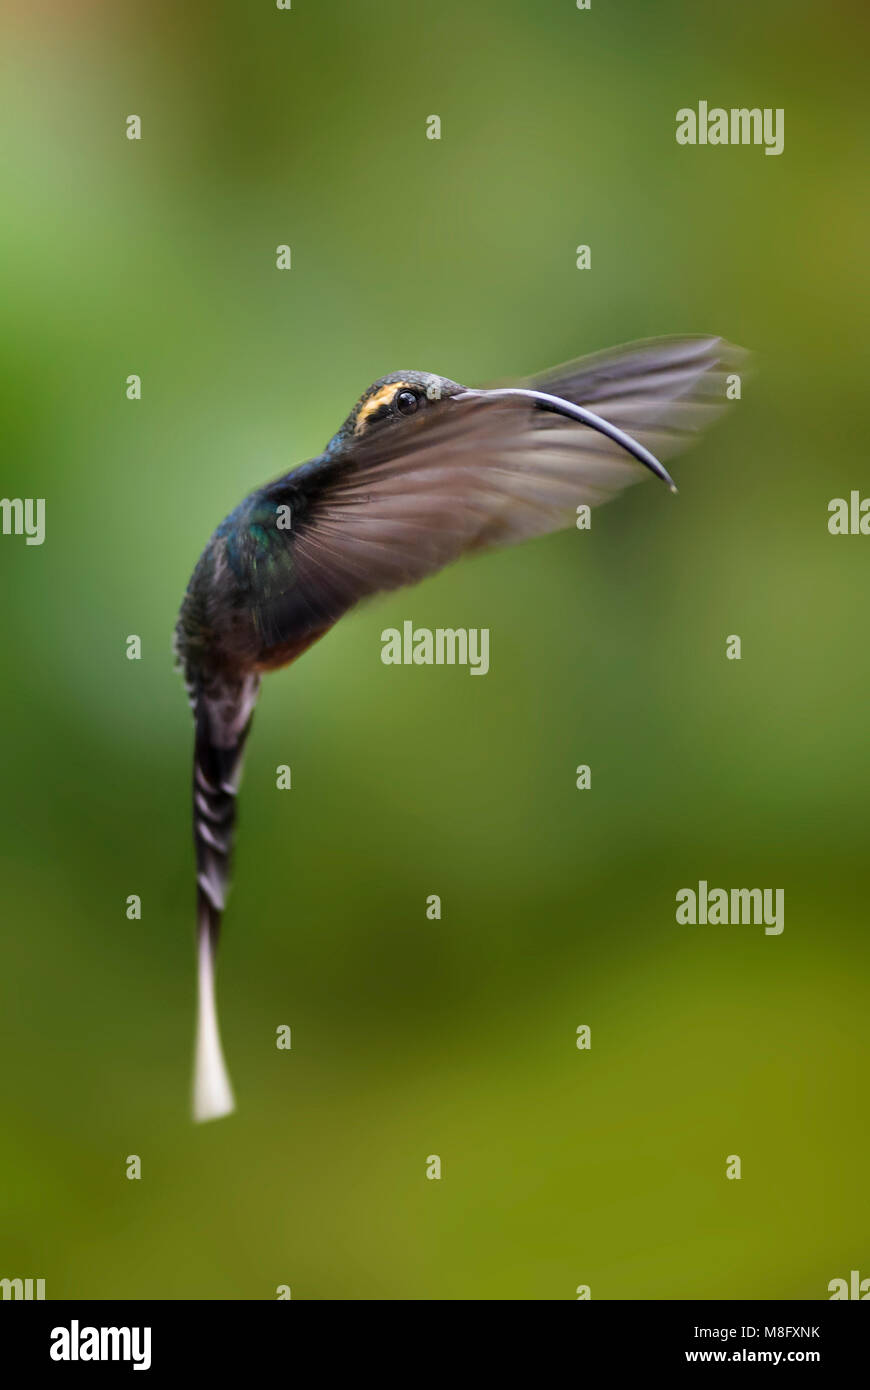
<point x="212" y="1092"/>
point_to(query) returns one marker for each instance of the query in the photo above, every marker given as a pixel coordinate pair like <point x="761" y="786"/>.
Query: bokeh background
<point x="410" y="1038"/>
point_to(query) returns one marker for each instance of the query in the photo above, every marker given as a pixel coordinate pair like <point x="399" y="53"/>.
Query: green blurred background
<point x="560" y="1167"/>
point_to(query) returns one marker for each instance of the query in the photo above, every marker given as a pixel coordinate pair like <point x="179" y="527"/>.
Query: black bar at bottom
<point x="71" y="1337"/>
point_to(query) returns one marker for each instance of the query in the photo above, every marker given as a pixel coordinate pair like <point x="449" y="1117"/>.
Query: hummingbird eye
<point x="406" y="402"/>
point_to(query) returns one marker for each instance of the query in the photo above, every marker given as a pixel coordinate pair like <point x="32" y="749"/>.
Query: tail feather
<point x="222" y="724"/>
<point x="212" y="1090"/>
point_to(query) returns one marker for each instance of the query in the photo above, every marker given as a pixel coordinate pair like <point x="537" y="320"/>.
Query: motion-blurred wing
<point x="471" y="473"/>
<point x="662" y="391"/>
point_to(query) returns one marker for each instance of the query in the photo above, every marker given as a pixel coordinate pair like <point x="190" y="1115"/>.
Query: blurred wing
<point x="469" y="474"/>
<point x="661" y="391"/>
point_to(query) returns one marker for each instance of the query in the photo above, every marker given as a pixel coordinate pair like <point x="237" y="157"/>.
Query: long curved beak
<point x="584" y="417"/>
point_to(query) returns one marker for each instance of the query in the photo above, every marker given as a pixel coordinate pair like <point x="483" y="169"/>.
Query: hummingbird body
<point x="423" y="471"/>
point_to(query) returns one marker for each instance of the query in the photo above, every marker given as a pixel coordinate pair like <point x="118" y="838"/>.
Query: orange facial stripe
<point x="381" y="397"/>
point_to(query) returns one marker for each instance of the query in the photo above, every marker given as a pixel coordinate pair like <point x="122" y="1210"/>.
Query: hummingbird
<point x="423" y="471"/>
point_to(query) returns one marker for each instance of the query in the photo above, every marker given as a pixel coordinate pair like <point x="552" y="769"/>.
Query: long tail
<point x="222" y="724"/>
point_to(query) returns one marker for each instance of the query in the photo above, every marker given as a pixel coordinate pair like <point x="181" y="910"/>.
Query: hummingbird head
<point x="394" y="399"/>
<point x="389" y="401"/>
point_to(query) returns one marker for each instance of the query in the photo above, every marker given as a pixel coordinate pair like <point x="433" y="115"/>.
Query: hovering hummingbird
<point x="422" y="471"/>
